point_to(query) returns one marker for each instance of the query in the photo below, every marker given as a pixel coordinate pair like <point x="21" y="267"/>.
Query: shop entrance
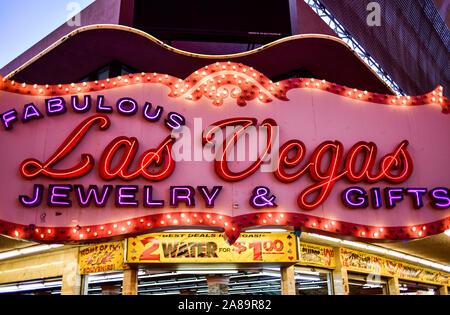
<point x="265" y="281"/>
<point x="360" y="284"/>
<point x="415" y="288"/>
<point x="254" y="282"/>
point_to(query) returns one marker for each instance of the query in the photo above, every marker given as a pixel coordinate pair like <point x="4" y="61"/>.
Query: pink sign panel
<point x="224" y="148"/>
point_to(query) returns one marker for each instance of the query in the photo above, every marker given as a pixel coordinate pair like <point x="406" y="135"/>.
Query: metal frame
<point x="344" y="34"/>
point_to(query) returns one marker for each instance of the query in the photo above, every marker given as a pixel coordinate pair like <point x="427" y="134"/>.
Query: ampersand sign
<point x="261" y="198"/>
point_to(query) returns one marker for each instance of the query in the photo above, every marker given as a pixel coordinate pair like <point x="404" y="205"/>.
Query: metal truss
<point x="345" y="35"/>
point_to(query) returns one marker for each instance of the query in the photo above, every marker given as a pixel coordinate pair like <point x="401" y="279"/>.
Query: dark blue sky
<point x="25" y="22"/>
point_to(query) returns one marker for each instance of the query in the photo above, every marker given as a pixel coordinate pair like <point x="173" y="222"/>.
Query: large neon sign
<point x="104" y="164"/>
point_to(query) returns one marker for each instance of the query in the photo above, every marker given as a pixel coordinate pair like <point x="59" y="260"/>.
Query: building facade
<point x="112" y="121"/>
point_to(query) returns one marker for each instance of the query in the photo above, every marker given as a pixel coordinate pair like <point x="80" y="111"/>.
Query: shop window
<point x="254" y="21"/>
<point x="49" y="286"/>
<point x="108" y="283"/>
<point x="262" y="282"/>
<point x="367" y="285"/>
<point x="414" y="288"/>
<point x="310" y="281"/>
<point x="111" y="70"/>
<point x="297" y="73"/>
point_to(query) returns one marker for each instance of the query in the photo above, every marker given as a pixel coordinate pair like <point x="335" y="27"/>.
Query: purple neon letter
<point x="209" y="197"/>
<point x="8" y="117"/>
<point x="148" y="200"/>
<point x="34" y="201"/>
<point x="391" y="195"/>
<point x="126" y="196"/>
<point x="360" y="200"/>
<point x="58" y="195"/>
<point x="440" y="194"/>
<point x="84" y="199"/>
<point x="182" y="193"/>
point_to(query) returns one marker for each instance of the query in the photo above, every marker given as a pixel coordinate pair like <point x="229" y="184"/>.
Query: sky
<point x="24" y="22"/>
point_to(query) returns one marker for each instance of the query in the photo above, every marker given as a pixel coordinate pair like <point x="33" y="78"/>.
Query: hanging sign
<point x="225" y="147"/>
<point x="102" y="258"/>
<point x="317" y="255"/>
<point x="212" y="248"/>
<point x="363" y="262"/>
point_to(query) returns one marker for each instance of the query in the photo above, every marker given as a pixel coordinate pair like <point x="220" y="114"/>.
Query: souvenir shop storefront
<point x="223" y="181"/>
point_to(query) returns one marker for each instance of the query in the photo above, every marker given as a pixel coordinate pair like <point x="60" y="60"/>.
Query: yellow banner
<point x="362" y="262"/>
<point x="316" y="255"/>
<point x="102" y="257"/>
<point x="211" y="248"/>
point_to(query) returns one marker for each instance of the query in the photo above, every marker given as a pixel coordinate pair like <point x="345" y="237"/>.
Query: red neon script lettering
<point x="31" y="168"/>
<point x="160" y="158"/>
<point x="221" y="162"/>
